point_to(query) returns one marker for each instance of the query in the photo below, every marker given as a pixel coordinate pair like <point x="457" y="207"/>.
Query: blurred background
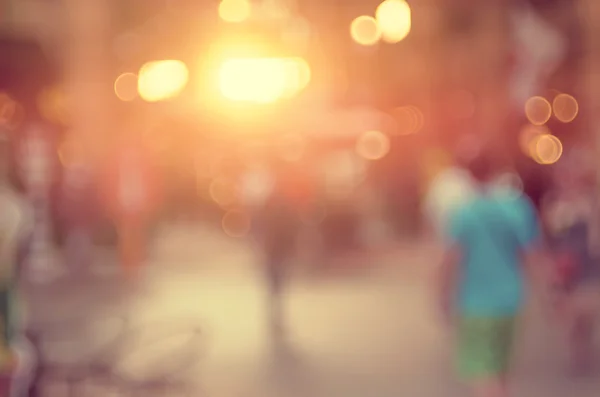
<point x="359" y="103"/>
<point x="374" y="94"/>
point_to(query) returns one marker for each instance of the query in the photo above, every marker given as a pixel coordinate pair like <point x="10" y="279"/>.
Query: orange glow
<point x="70" y="152"/>
<point x="12" y="116"/>
<point x="161" y="80"/>
<point x="8" y="108"/>
<point x="275" y="9"/>
<point x="409" y="119"/>
<point x="538" y="110"/>
<point x="297" y="33"/>
<point x="433" y="163"/>
<point x="548" y="149"/>
<point x="52" y="104"/>
<point x="316" y="216"/>
<point x="263" y="80"/>
<point x="565" y="108"/>
<point x="292" y="147"/>
<point x="126" y="87"/>
<point x="365" y="30"/>
<point x="223" y="192"/>
<point x="373" y="145"/>
<point x="298" y="75"/>
<point x="463" y="104"/>
<point x="394" y="18"/>
<point x="236" y="223"/>
<point x="235" y="11"/>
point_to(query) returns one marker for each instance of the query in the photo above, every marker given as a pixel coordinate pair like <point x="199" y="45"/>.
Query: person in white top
<point x="451" y="188"/>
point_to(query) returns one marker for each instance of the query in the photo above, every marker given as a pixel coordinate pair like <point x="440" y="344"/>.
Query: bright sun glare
<point x="161" y="80"/>
<point x="263" y="80"/>
<point x="394" y="19"/>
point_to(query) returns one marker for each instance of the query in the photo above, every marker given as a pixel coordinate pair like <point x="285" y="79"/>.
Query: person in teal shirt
<point x="483" y="280"/>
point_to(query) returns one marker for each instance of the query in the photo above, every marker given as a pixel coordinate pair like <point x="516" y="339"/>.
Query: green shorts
<point x="484" y="346"/>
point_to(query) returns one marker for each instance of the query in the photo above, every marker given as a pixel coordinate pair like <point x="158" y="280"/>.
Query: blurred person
<point x="572" y="221"/>
<point x="132" y="189"/>
<point x="482" y="280"/>
<point x="343" y="174"/>
<point x="279" y="226"/>
<point x="15" y="228"/>
<point x="78" y="207"/>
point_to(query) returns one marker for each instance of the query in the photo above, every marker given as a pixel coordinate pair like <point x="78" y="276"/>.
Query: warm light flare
<point x="263" y="80"/>
<point x="162" y="80"/>
<point x="394" y="18"/>
<point x="298" y="76"/>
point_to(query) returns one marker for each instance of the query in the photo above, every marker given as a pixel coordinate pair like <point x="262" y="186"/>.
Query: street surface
<point x="368" y="331"/>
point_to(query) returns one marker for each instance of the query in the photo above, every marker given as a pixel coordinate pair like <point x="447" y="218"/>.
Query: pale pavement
<point x="357" y="333"/>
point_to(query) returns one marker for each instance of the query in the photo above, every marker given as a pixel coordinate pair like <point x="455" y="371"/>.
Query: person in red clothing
<point x="131" y="188"/>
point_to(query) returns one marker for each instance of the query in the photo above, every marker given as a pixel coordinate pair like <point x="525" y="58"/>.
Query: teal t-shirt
<point x="492" y="231"/>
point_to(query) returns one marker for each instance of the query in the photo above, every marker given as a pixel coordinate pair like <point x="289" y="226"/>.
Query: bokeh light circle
<point x="538" y="110"/>
<point x="365" y="30"/>
<point x="126" y="87"/>
<point x="548" y="149"/>
<point x="394" y="19"/>
<point x="565" y="108"/>
<point x="162" y="80"/>
<point x="528" y="138"/>
<point x="373" y="145"/>
<point x="408" y="120"/>
<point x="236" y="223"/>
